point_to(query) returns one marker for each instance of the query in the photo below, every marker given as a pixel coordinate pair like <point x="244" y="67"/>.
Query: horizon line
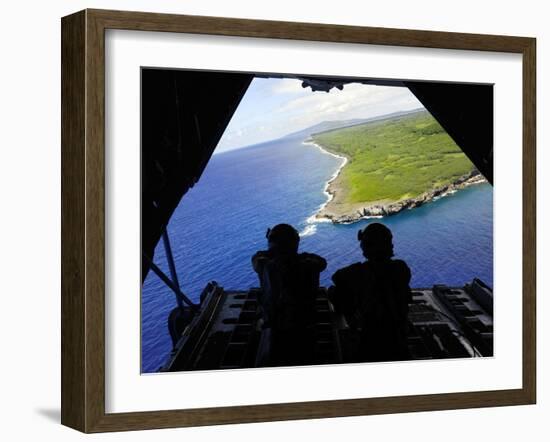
<point x="216" y="152"/>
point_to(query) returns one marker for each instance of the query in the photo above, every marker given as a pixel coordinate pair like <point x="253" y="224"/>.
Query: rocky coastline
<point x="379" y="210"/>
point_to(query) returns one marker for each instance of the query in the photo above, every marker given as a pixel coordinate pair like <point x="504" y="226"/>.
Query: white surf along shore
<point x="314" y="219"/>
<point x="376" y="211"/>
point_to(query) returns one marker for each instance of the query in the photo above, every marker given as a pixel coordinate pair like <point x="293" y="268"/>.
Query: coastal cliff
<point x="341" y="213"/>
<point x="390" y="165"/>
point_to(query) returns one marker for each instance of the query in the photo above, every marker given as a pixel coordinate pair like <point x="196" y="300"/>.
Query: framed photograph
<point x="270" y="220"/>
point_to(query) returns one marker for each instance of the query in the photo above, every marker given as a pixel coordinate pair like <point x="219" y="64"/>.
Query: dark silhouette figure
<point x="290" y="283"/>
<point x="373" y="296"/>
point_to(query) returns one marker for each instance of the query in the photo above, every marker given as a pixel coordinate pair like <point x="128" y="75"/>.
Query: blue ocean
<point x="221" y="222"/>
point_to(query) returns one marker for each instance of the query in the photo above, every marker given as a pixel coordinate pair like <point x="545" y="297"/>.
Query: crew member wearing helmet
<point x="374" y="296"/>
<point x="290" y="283"/>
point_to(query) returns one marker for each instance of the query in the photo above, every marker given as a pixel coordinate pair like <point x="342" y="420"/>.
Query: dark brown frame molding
<point x="83" y="218"/>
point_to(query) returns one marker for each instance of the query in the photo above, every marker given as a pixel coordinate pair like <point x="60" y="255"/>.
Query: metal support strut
<point x="173" y="283"/>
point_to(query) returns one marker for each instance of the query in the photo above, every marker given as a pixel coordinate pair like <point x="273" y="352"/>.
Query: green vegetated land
<point x="396" y="158"/>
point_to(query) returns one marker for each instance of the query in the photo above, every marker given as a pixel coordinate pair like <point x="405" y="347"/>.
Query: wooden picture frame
<point x="83" y="220"/>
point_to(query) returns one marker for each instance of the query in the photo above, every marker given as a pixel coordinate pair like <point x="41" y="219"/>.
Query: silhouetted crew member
<point x="374" y="296"/>
<point x="289" y="282"/>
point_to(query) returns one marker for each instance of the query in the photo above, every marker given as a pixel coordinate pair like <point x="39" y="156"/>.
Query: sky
<point x="273" y="108"/>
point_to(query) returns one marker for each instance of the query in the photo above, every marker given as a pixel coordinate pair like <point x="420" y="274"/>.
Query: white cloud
<point x="353" y="96"/>
<point x="276" y="107"/>
<point x="287" y="86"/>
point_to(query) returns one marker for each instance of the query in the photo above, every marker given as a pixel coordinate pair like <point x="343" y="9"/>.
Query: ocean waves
<point x="222" y="221"/>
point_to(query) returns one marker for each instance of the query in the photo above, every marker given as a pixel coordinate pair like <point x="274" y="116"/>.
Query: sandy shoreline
<point x="338" y="212"/>
<point x="327" y="191"/>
